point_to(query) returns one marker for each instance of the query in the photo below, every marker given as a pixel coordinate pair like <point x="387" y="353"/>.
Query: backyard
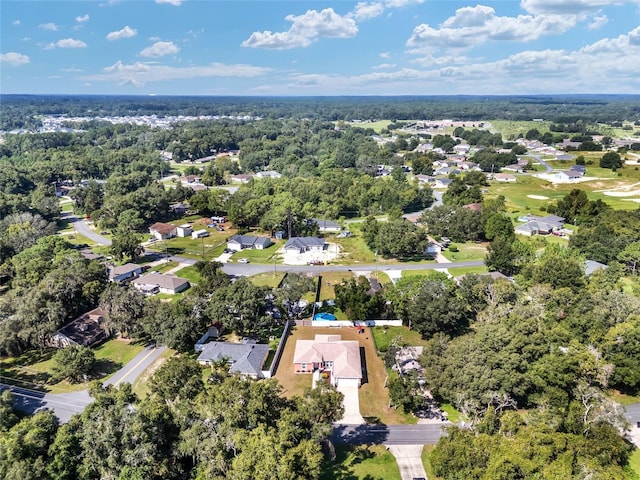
<point x="374" y="397"/>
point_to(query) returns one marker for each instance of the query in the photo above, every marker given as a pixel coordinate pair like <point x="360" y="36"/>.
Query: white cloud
<point x="175" y="3"/>
<point x="473" y="26"/>
<point x="82" y="19"/>
<point x="66" y="43"/>
<point x="160" y="49"/>
<point x="384" y="65"/>
<point x="14" y="59"/>
<point x="571" y="7"/>
<point x="52" y="27"/>
<point x="365" y="11"/>
<point x="385" y="55"/>
<point x="141" y="73"/>
<point x="125" y="32"/>
<point x="304" y="30"/>
<point x="401" y="3"/>
<point x="598" y="21"/>
<point x="15" y="23"/>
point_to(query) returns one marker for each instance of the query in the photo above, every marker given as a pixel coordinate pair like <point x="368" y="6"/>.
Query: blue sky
<point x="295" y="47"/>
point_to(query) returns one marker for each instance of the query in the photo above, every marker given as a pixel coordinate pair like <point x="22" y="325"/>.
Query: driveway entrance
<point x="351" y="403"/>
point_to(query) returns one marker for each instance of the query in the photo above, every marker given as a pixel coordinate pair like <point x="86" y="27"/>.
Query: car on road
<point x="243" y="260"/>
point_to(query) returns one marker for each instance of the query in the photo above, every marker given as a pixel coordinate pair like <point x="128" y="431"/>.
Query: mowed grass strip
<point x="371" y="462"/>
<point x="374" y="397"/>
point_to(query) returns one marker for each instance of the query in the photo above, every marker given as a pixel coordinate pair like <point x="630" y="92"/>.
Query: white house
<point x="160" y="283"/>
<point x="162" y="231"/>
<point x="184" y="230"/>
<point x="200" y="233"/>
<point x="124" y="272"/>
<point x="327" y="226"/>
<point x="568" y="175"/>
<point x="268" y="174"/>
<point x="242" y="242"/>
<point x="504" y="177"/>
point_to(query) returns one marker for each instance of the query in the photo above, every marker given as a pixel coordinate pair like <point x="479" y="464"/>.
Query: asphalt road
<point x="82" y="228"/>
<point x="66" y="405"/>
<point x="239" y="269"/>
<point x="632" y="414"/>
<point x="542" y="162"/>
<point x="423" y="434"/>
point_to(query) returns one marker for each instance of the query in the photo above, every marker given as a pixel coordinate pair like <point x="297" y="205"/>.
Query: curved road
<point x="65" y="405"/>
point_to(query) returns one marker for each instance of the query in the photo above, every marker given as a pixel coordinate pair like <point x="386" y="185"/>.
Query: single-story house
<point x="86" y="330"/>
<point x="179" y="208"/>
<point x="433" y="249"/>
<point x="123" y="272"/>
<point x="540" y="225"/>
<point x="189" y="179"/>
<point x="581" y="169"/>
<point x="568" y="175"/>
<point x="504" y="177"/>
<point x="184" y="230"/>
<point x="304" y="244"/>
<point x="474" y="207"/>
<point x="425" y="178"/>
<point x="268" y="174"/>
<point x="329" y="353"/>
<point x="493" y="275"/>
<point x="242" y="242"/>
<point x="160" y="283"/>
<point x="442" y="182"/>
<point x="241" y="178"/>
<point x="591" y="266"/>
<point x="327" y="226"/>
<point x="89" y="254"/>
<point x="245" y="358"/>
<point x="514" y="168"/>
<point x="162" y="231"/>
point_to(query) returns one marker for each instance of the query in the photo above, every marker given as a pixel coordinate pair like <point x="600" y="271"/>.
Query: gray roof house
<point x="304" y="244"/>
<point x="540" y="225"/>
<point x="241" y="242"/>
<point x="327" y="225"/>
<point x="160" y="283"/>
<point x="124" y="272"/>
<point x="244" y="358"/>
<point x="591" y="266"/>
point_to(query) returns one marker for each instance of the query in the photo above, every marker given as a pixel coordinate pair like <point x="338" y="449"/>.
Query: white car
<point x="243" y="260"/>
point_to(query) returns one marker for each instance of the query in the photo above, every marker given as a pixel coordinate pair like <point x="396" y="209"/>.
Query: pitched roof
<point x="162" y="228"/>
<point x="124" y="269"/>
<point x="326" y="223"/>
<point x="591" y="266"/>
<point x="345" y="354"/>
<point x="170" y="282"/>
<point x="86" y="329"/>
<point x="304" y="242"/>
<point x="250" y="240"/>
<point x="571" y="173"/>
<point x="246" y="358"/>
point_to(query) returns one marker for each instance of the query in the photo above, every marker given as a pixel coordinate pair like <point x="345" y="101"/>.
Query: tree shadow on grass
<point x="104" y="367"/>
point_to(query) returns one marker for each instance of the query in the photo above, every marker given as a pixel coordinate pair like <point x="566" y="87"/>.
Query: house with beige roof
<point x="332" y="355"/>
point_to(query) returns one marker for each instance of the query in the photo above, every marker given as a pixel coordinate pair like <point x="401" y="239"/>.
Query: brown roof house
<point x="86" y="330"/>
<point x="340" y="359"/>
<point x="162" y="231"/>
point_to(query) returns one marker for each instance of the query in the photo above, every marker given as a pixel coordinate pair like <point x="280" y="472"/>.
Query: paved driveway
<point x="351" y="405"/>
<point x="409" y="460"/>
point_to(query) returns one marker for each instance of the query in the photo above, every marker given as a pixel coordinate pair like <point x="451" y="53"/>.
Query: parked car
<point x="219" y="228"/>
<point x="243" y="260"/>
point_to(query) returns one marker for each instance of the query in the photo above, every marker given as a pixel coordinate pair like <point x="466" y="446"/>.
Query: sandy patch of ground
<point x="553" y="178"/>
<point x="328" y="254"/>
<point x="538" y="197"/>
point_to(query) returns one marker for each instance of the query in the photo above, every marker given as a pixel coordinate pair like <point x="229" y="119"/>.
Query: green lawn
<point x="370" y="462"/>
<point x="467" y="252"/>
<point x="33" y="370"/>
<point x="634" y="461"/>
<point x="77" y="239"/>
<point x="452" y="414"/>
<point x="163" y="267"/>
<point x="426" y="461"/>
<point x="267" y="279"/>
<point x="383" y="336"/>
<point x="190" y="273"/>
<point x="458" y="272"/>
<point x="267" y="255"/>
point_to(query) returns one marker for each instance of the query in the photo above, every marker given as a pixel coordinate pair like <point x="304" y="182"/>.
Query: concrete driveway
<point x="351" y="405"/>
<point x="409" y="460"/>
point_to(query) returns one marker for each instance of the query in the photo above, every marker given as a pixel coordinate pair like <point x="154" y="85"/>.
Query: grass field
<point x="370" y="462"/>
<point x="267" y="279"/>
<point x="163" y="267"/>
<point x="426" y="461"/>
<point x="190" y="273"/>
<point x="268" y="255"/>
<point x="634" y="461"/>
<point x="374" y="397"/>
<point x="458" y="272"/>
<point x="383" y="336"/>
<point x="33" y="370"/>
<point x="466" y="252"/>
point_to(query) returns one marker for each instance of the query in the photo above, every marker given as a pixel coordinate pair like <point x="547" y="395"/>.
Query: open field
<point x="33" y="370"/>
<point x="383" y="336"/>
<point x="267" y="279"/>
<point x="634" y="461"/>
<point x="467" y="252"/>
<point x="268" y="255"/>
<point x="374" y="397"/>
<point x="190" y="273"/>
<point x="370" y="462"/>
